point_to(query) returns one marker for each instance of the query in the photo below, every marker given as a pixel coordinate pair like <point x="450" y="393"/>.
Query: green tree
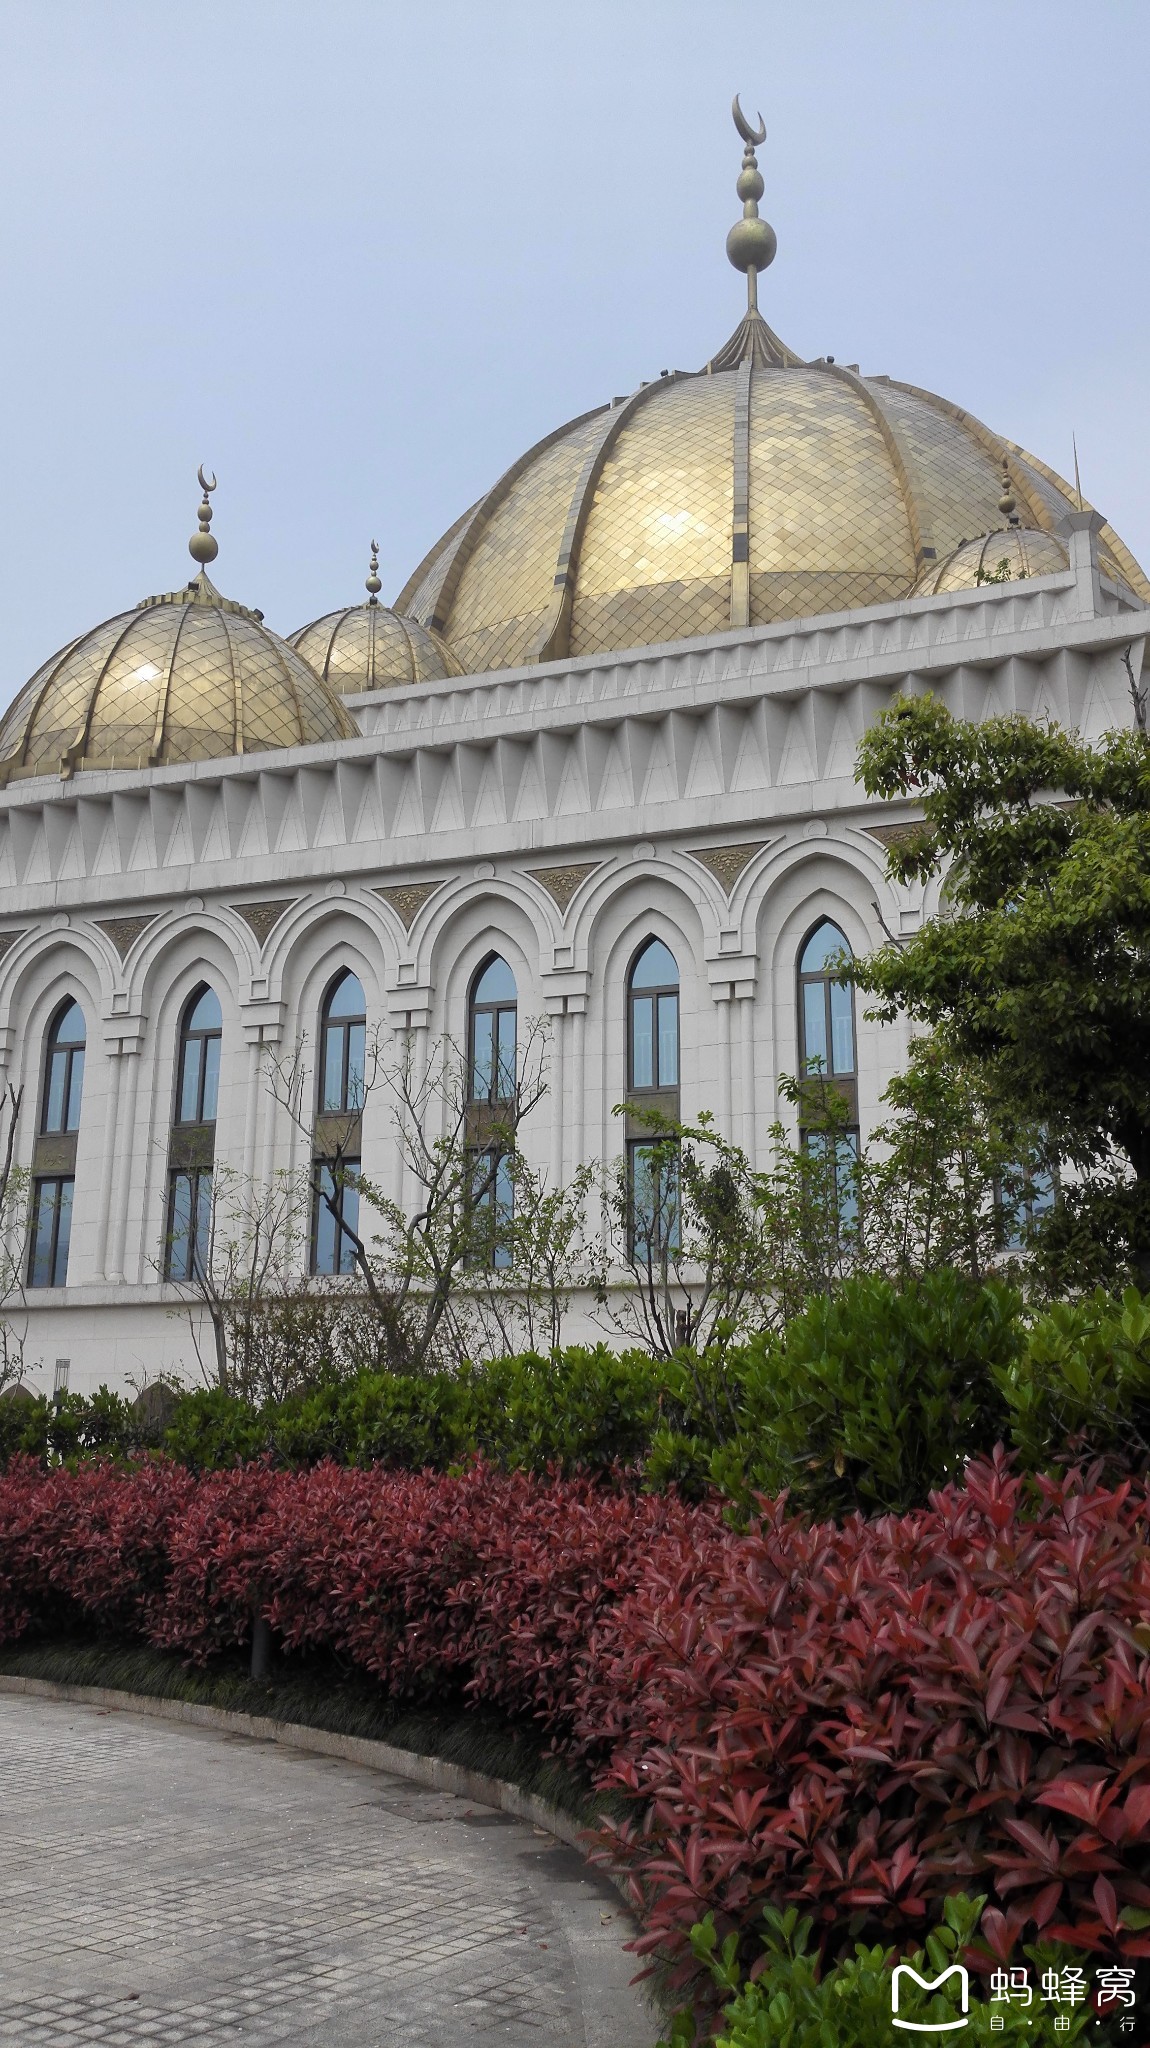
<point x="1037" y="971"/>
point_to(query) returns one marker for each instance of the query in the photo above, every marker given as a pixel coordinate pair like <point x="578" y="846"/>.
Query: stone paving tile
<point x="163" y="1885"/>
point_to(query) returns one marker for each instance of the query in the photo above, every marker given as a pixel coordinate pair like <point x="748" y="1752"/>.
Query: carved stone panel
<point x="8" y="939"/>
<point x="408" y="898"/>
<point x="124" y="931"/>
<point x="264" y="917"/>
<point x="561" y="883"/>
<point x="727" y="862"/>
<point x="891" y="835"/>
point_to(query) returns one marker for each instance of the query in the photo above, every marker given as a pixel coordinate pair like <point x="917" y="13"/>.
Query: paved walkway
<point x="171" y="1887"/>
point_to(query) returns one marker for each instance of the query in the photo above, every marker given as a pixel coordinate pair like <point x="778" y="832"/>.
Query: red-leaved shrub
<point x="858" y="1719"/>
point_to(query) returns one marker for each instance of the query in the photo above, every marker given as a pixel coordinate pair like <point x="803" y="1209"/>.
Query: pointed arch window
<point x="343" y="1048"/>
<point x="492" y="1078"/>
<point x="653" y="1019"/>
<point x="54" y="1155"/>
<point x="828" y="1056"/>
<point x="826" y="1004"/>
<point x="492" y="1022"/>
<point x="653" y="1068"/>
<point x="337" y="1156"/>
<point x="192" y="1144"/>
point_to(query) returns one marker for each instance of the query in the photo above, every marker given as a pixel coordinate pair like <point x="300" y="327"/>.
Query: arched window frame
<point x="831" y="1002"/>
<point x="54" y="1150"/>
<point x="492" y="1038"/>
<point x="342" y="1052"/>
<point x="653" y="1072"/>
<point x="337" y="1149"/>
<point x="659" y="1072"/>
<point x="192" y="1140"/>
<point x="63" y="1074"/>
<point x="828" y="1066"/>
<point x="492" y="1082"/>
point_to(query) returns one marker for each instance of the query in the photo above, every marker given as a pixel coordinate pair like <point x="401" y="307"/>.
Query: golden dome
<point x="761" y="488"/>
<point x="1007" y="555"/>
<point x="186" y="677"/>
<point x="369" y="647"/>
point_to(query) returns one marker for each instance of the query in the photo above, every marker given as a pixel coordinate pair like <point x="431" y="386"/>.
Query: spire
<point x="203" y="546"/>
<point x="1007" y="504"/>
<point x="751" y="247"/>
<point x="751" y="243"/>
<point x="372" y="584"/>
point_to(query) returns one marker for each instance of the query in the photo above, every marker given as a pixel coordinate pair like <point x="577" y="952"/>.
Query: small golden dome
<point x="369" y="647"/>
<point x="1008" y="555"/>
<point x="190" y="676"/>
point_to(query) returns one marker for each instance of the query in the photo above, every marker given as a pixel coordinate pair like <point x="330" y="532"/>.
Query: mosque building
<point x="595" y="765"/>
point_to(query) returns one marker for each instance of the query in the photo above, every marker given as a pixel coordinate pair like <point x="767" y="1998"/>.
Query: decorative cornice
<point x="727" y="862"/>
<point x="124" y="931"/>
<point x="264" y="917"/>
<point x="561" y="883"/>
<point x="408" y="898"/>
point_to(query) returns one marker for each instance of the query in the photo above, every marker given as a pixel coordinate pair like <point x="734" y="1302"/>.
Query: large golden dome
<point x="190" y="676"/>
<point x="739" y="495"/>
<point x="759" y="488"/>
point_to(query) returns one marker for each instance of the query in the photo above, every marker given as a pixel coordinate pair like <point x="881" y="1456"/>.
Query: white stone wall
<point x="636" y="769"/>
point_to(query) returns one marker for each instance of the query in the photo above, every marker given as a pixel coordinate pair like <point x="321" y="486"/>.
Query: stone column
<point x="127" y="1057"/>
<point x="745" y="998"/>
<point x="108" y="1158"/>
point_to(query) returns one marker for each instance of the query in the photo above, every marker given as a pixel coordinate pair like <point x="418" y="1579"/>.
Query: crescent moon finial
<point x="751" y="243"/>
<point x="203" y="546"/>
<point x="373" y="586"/>
<point x="752" y="135"/>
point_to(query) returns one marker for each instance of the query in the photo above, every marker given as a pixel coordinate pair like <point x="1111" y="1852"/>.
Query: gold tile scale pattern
<point x="960" y="481"/>
<point x="171" y="682"/>
<point x="369" y="647"/>
<point x="656" y="553"/>
<point x="830" y="528"/>
<point x="504" y="591"/>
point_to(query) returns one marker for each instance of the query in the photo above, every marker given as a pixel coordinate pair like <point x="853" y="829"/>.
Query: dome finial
<point x="373" y="586"/>
<point x="203" y="546"/>
<point x="1007" y="503"/>
<point x="751" y="243"/>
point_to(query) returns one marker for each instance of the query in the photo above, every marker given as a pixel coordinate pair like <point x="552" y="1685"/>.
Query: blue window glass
<point x="492" y="1021"/>
<point x="50" y="1231"/>
<point x="493" y="1207"/>
<point x="343" y="1048"/>
<point x="199" y="1076"/>
<point x="653" y="1019"/>
<point x="189" y="1224"/>
<point x="841" y="1151"/>
<point x="653" y="1172"/>
<point x="826" y="1005"/>
<point x="336" y="1205"/>
<point x="64" y="1071"/>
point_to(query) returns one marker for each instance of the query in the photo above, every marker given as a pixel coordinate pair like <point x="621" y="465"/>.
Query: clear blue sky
<point x="356" y="255"/>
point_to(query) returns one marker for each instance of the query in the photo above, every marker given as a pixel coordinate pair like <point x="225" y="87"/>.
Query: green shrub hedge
<point x="866" y="1401"/>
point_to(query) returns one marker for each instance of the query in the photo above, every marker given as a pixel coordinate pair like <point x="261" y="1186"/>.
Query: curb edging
<point x="606" y="1996"/>
<point x="435" y="1772"/>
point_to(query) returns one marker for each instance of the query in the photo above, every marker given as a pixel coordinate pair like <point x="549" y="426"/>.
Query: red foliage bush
<point x="856" y="1719"/>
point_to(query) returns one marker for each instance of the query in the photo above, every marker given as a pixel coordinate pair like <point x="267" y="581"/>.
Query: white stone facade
<point x="451" y="829"/>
